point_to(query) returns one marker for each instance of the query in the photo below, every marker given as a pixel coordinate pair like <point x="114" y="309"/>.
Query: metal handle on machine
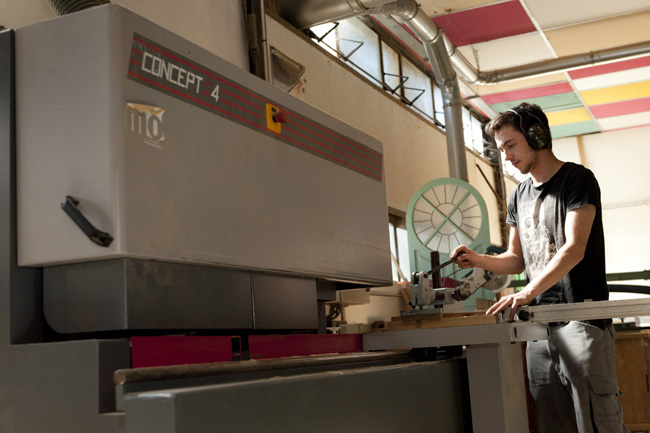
<point x="447" y="263"/>
<point x="94" y="234"/>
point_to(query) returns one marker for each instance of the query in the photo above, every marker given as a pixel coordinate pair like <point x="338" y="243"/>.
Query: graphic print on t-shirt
<point x="537" y="237"/>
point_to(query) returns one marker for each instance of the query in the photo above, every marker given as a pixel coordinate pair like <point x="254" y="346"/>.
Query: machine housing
<point x="223" y="214"/>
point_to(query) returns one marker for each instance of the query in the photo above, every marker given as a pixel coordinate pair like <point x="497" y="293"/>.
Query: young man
<point x="556" y="236"/>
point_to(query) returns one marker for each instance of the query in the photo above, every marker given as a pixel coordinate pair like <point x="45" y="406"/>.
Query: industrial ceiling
<point x="595" y="98"/>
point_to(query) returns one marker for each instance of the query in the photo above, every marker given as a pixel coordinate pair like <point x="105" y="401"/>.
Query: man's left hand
<point x="523" y="297"/>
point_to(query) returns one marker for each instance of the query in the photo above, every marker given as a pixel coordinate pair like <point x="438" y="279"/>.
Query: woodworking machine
<point x="159" y="187"/>
<point x="427" y="299"/>
<point x="150" y="188"/>
<point x="443" y="214"/>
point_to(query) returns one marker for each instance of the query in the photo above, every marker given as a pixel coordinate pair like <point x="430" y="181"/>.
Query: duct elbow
<point x="64" y="7"/>
<point x="406" y="10"/>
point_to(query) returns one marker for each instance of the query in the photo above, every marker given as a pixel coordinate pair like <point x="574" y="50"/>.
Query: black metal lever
<point x="448" y="262"/>
<point x="94" y="234"/>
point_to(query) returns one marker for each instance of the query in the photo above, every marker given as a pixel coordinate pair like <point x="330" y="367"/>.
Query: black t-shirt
<point x="539" y="213"/>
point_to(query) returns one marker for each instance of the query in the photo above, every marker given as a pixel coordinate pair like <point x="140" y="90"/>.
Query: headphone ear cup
<point x="538" y="136"/>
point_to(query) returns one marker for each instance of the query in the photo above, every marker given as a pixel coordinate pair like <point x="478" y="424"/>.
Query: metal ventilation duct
<point x="474" y="76"/>
<point x="63" y="7"/>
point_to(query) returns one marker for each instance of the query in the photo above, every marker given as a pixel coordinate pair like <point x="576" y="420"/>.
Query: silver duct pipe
<point x="410" y="13"/>
<point x="474" y="76"/>
<point x="64" y="7"/>
<point x="303" y="14"/>
<point x="307" y="13"/>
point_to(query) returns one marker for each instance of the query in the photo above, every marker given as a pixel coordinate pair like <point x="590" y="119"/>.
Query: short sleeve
<point x="581" y="189"/>
<point x="511" y="218"/>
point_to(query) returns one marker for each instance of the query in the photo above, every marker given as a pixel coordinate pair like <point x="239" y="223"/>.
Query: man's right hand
<point x="465" y="257"/>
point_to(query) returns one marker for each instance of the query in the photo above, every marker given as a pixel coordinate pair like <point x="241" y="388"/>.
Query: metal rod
<point x="436" y="268"/>
<point x="641" y="275"/>
<point x="503" y="206"/>
<point x="588" y="310"/>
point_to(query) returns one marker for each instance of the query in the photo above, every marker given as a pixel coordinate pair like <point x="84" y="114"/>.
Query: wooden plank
<point x="398" y="325"/>
<point x="445" y="320"/>
<point x="440" y="315"/>
<point x="459" y="321"/>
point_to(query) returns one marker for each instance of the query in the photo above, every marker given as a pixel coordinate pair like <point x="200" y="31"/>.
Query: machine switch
<point x="281" y="116"/>
<point x="275" y="117"/>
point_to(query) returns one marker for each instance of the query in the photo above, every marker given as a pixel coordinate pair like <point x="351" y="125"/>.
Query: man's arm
<point x="577" y="229"/>
<point x="509" y="262"/>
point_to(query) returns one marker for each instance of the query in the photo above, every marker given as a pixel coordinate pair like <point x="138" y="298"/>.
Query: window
<point x="472" y="131"/>
<point x="399" y="249"/>
<point x="385" y="65"/>
<point x="438" y="104"/>
<point x="392" y="77"/>
<point x="417" y="90"/>
<point x="353" y="43"/>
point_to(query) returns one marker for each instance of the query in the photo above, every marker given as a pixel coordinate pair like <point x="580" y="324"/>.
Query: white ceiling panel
<point x="439" y="7"/>
<point x="626" y="121"/>
<point x="613" y="79"/>
<point x="559" y="13"/>
<point x="506" y="52"/>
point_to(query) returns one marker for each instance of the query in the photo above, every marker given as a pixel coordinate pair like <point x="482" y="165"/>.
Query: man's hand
<point x="465" y="257"/>
<point x="523" y="297"/>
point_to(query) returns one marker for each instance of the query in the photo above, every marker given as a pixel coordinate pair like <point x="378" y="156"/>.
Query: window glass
<point x="391" y="68"/>
<point x="438" y="104"/>
<point x="467" y="127"/>
<point x="417" y="89"/>
<point x="399" y="249"/>
<point x="477" y="135"/>
<point x="360" y="46"/>
<point x="403" y="257"/>
<point x="363" y="50"/>
<point x="326" y="36"/>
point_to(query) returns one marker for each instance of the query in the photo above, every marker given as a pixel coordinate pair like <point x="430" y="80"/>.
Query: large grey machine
<point x="150" y="188"/>
<point x="161" y="188"/>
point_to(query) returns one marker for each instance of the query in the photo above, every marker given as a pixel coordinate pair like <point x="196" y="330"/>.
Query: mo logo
<point x="146" y="121"/>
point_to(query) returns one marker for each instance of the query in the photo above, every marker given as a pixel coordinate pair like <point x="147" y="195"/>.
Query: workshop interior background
<point x="411" y="126"/>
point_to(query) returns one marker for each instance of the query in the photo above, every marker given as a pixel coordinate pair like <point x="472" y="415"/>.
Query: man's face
<point x="513" y="144"/>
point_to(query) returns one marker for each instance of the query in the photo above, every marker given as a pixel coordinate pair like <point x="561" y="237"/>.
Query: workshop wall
<point x="216" y="26"/>
<point x="619" y="159"/>
<point x="415" y="151"/>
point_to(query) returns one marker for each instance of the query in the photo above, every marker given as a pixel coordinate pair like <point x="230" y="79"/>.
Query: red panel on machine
<point x="179" y="350"/>
<point x="282" y="346"/>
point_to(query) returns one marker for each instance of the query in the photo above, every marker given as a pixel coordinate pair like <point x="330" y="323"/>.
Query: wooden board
<point x="444" y="320"/>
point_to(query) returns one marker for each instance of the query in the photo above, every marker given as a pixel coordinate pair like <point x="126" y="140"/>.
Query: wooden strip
<point x="459" y="321"/>
<point x="468" y="318"/>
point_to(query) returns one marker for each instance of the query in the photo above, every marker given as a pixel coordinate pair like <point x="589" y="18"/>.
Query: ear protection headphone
<point x="537" y="135"/>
